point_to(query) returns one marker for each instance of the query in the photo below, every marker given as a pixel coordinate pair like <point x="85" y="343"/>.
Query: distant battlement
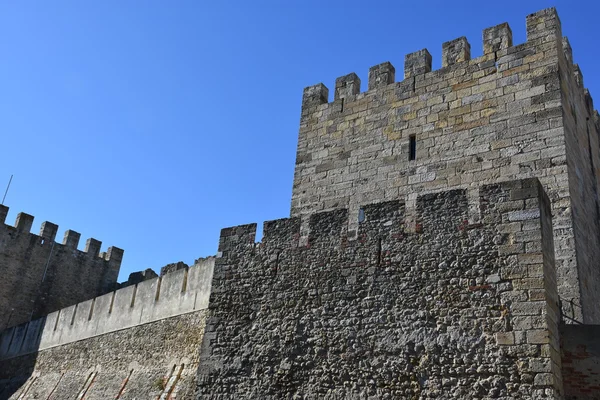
<point x="40" y="275"/>
<point x="498" y="54"/>
<point x="47" y="236"/>
<point x="178" y="292"/>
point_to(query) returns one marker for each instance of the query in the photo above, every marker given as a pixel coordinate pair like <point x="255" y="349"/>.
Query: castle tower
<point x="518" y="111"/>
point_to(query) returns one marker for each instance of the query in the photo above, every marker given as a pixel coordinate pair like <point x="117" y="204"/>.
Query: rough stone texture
<point x="497" y="38"/>
<point x="40" y="276"/>
<point x="516" y="112"/>
<point x="581" y="361"/>
<point x="381" y="75"/>
<point x="394" y="278"/>
<point x="453" y="310"/>
<point x="455" y="51"/>
<point x="173" y="267"/>
<point x="138" y="277"/>
<point x="143" y="362"/>
<point x="347" y="86"/>
<point x="417" y="63"/>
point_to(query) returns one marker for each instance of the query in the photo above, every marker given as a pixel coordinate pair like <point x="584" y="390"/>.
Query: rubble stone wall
<point x="453" y="309"/>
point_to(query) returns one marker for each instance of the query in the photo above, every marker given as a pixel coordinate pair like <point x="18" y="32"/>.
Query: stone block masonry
<point x="518" y="111"/>
<point x="452" y="310"/>
<point x="40" y="276"/>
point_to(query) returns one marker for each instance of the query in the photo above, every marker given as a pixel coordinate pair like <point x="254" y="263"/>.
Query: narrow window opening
<point x="412" y="148"/>
<point x="342" y="106"/>
<point x="87" y="385"/>
<point x="56" y="322"/>
<point x="27" y="388"/>
<point x="124" y="384"/>
<point x="12" y="337"/>
<point x="379" y="252"/>
<point x="56" y="386"/>
<point x="24" y="337"/>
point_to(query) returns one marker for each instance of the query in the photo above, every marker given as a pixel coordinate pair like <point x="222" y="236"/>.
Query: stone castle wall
<point x="158" y="360"/>
<point x="442" y="229"/>
<point x="40" y="276"/>
<point x="517" y="111"/>
<point x="452" y="309"/>
<point x="582" y="148"/>
<point x="144" y="337"/>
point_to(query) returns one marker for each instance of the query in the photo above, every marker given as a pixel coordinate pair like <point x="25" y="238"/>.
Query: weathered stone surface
<point x="411" y="267"/>
<point x="455" y="51"/>
<point x="143" y="362"/>
<point x="517" y="111"/>
<point x="178" y="292"/>
<point x="392" y="314"/>
<point x="581" y="361"/>
<point x="40" y="276"/>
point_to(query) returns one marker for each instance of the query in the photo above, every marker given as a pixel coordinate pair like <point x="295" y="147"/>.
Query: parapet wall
<point x="39" y="275"/>
<point x="474" y="121"/>
<point x="183" y="291"/>
<point x="451" y="309"/>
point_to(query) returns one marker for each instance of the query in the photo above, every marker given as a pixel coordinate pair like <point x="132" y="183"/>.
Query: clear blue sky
<point x="151" y="125"/>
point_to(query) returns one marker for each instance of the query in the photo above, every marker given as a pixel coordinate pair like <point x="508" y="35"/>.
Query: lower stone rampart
<point x="183" y="291"/>
<point x="448" y="309"/>
<point x="139" y="342"/>
<point x="158" y="360"/>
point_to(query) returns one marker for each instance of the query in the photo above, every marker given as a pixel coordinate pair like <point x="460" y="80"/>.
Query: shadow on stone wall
<point x="18" y="355"/>
<point x="581" y="361"/>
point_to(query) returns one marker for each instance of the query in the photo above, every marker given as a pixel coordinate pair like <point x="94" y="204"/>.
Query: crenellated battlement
<point x="498" y="52"/>
<point x="182" y="291"/>
<point x="47" y="236"/>
<point x="41" y="275"/>
<point x="330" y="226"/>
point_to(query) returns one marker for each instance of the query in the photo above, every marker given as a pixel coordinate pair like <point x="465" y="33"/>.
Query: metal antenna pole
<point x="7" y="187"/>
